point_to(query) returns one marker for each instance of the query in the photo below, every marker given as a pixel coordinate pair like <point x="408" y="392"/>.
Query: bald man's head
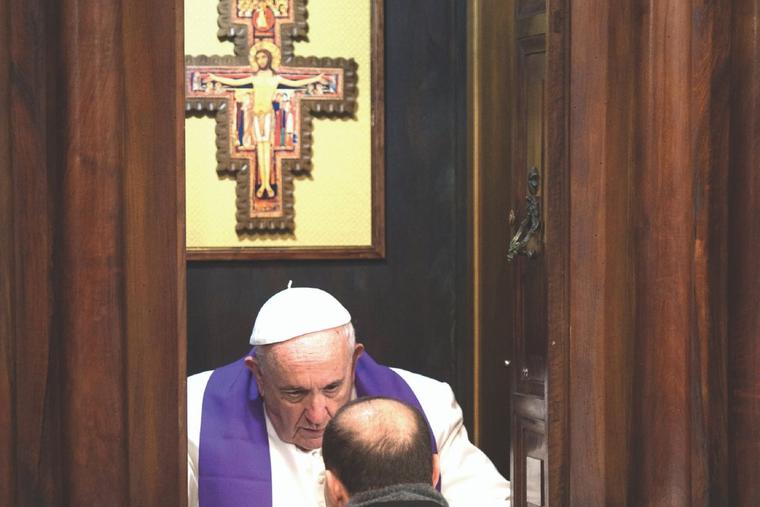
<point x="376" y="442"/>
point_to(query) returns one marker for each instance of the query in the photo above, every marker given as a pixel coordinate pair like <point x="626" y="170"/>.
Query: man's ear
<point x="252" y="363"/>
<point x="436" y="469"/>
<point x="336" y="494"/>
<point x="358" y="351"/>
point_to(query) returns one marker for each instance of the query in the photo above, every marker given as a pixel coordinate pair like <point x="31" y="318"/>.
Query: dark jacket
<point x="402" y="495"/>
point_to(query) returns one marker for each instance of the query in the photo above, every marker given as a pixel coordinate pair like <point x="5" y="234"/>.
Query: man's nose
<point x="316" y="411"/>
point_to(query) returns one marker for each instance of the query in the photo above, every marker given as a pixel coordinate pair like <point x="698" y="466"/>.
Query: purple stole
<point x="234" y="465"/>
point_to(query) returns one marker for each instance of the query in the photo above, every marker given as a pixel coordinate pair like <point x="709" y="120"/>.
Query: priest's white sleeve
<point x="196" y="386"/>
<point x="468" y="476"/>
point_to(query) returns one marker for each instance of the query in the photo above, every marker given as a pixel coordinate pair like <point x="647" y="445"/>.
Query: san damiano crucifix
<point x="264" y="99"/>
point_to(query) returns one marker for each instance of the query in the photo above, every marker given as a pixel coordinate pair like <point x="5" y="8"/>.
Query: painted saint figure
<point x="263" y="17"/>
<point x="260" y="118"/>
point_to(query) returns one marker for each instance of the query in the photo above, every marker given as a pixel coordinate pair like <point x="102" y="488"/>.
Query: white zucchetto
<point x="295" y="312"/>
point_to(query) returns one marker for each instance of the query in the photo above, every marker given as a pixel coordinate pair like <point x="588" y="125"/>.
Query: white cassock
<point x="468" y="476"/>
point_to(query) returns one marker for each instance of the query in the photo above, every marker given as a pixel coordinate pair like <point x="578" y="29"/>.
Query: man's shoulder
<point x="196" y="386"/>
<point x="417" y="379"/>
<point x="401" y="495"/>
<point x="198" y="381"/>
<point x="426" y="388"/>
<point x="438" y="403"/>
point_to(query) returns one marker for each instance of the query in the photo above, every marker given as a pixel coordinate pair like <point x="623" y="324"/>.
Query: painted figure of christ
<point x="260" y="114"/>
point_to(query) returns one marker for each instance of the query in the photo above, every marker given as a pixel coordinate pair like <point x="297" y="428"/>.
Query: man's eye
<point x="294" y="395"/>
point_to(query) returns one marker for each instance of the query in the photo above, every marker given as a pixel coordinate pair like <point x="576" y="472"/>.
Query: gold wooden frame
<point x="376" y="249"/>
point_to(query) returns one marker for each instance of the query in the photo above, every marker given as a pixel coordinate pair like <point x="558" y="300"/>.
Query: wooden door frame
<point x="663" y="157"/>
<point x="487" y="159"/>
<point x="484" y="156"/>
<point x="557" y="223"/>
<point x="92" y="276"/>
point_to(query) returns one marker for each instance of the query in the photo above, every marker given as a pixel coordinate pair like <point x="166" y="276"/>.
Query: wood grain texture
<point x="495" y="275"/>
<point x="601" y="272"/>
<point x="744" y="246"/>
<point x="663" y="384"/>
<point x="557" y="223"/>
<point x="529" y="275"/>
<point x="7" y="275"/>
<point x="522" y="96"/>
<point x="650" y="95"/>
<point x="96" y="352"/>
<point x="665" y="220"/>
<point x="378" y="128"/>
<point x="89" y="254"/>
<point x="461" y="338"/>
<point x="710" y="124"/>
<point x="35" y="154"/>
<point x="680" y="254"/>
<point x="154" y="254"/>
<point x="292" y="253"/>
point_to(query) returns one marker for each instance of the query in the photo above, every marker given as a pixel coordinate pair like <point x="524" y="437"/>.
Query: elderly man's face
<point x="304" y="381"/>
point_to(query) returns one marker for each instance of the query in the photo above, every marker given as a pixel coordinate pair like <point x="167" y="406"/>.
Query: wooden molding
<point x="228" y="165"/>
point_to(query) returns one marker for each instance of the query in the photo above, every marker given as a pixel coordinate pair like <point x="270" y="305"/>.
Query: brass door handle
<point x="529" y="225"/>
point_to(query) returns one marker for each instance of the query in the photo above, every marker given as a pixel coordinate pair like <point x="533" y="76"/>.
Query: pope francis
<point x="255" y="426"/>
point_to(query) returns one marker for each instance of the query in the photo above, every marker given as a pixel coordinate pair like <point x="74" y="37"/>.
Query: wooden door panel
<point x="529" y="457"/>
<point x="530" y="289"/>
<point x="92" y="326"/>
<point x="523" y="101"/>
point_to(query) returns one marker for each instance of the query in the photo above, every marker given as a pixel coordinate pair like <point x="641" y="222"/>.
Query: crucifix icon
<point x="264" y="99"/>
